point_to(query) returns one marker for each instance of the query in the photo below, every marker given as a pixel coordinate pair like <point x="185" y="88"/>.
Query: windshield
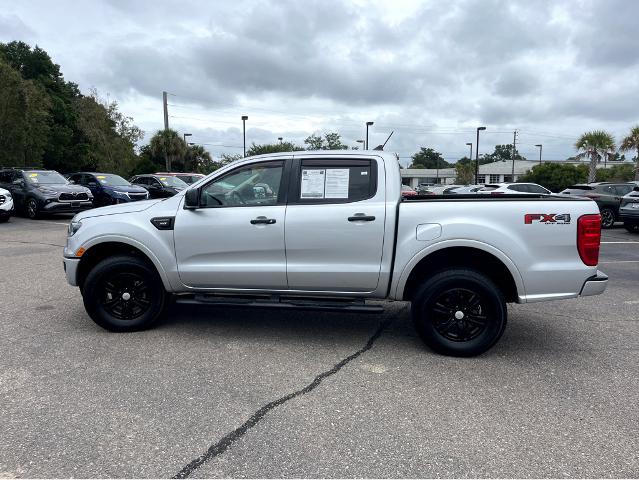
<point x="46" y="178"/>
<point x="112" y="180"/>
<point x="169" y="181"/>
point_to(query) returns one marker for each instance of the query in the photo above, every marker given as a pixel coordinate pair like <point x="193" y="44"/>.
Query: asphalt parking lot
<point x="557" y="396"/>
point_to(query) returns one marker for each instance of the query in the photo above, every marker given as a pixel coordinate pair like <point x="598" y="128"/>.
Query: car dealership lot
<point x="556" y="397"/>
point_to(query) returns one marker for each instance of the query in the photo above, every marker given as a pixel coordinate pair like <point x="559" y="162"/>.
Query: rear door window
<point x="335" y="181"/>
<point x="623" y="189"/>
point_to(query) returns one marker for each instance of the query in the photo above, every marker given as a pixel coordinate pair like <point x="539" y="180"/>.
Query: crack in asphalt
<point x="222" y="445"/>
<point x="34" y="243"/>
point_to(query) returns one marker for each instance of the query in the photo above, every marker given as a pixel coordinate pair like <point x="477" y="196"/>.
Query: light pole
<point x="362" y="142"/>
<point x="244" y="119"/>
<point x="477" y="155"/>
<point x="184" y="135"/>
<point x="280" y="139"/>
<point x="368" y="124"/>
<point x="541" y="147"/>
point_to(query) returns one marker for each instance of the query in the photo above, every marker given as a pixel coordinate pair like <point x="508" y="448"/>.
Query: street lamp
<point x="477" y="155"/>
<point x="362" y="142"/>
<point x="244" y="119"/>
<point x="280" y="139"/>
<point x="368" y="124"/>
<point x="186" y="135"/>
<point x="541" y="147"/>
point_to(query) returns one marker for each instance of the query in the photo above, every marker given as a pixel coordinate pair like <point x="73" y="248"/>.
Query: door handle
<point x="262" y="221"/>
<point x="361" y="217"/>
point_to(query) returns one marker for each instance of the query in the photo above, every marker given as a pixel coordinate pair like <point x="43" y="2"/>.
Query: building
<point x="495" y="172"/>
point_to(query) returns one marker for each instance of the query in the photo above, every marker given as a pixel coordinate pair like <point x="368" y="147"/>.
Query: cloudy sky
<point x="430" y="71"/>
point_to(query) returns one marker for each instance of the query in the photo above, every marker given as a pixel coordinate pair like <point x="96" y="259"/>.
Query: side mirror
<point x="18" y="182"/>
<point x="192" y="198"/>
<point x="92" y="184"/>
<point x="71" y="182"/>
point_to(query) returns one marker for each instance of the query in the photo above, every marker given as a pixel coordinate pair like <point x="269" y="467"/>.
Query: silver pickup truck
<point x="330" y="230"/>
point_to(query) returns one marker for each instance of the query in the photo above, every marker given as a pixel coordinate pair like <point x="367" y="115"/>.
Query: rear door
<point x="335" y="222"/>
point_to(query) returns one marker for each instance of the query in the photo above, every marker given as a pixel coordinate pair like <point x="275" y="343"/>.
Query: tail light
<point x="589" y="238"/>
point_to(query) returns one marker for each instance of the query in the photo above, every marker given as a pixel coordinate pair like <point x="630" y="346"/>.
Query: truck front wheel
<point x="123" y="294"/>
<point x="459" y="312"/>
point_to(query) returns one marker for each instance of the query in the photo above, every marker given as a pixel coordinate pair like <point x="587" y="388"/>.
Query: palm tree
<point x="632" y="142"/>
<point x="168" y="144"/>
<point x="594" y="145"/>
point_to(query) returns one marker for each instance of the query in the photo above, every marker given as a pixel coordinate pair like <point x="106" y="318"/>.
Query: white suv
<point x="513" y="188"/>
<point x="6" y="205"/>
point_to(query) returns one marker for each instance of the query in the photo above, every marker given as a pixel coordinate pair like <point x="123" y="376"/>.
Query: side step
<point x="333" y="304"/>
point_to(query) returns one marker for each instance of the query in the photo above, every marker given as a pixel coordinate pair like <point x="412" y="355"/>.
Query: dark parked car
<point x="38" y="191"/>
<point x="607" y="195"/>
<point x="629" y="210"/>
<point x="109" y="189"/>
<point x="159" y="186"/>
<point x="188" y="178"/>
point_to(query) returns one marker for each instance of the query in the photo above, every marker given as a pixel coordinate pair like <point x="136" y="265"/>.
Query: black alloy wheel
<point x="124" y="294"/>
<point x="607" y="218"/>
<point x="32" y="208"/>
<point x="459" y="312"/>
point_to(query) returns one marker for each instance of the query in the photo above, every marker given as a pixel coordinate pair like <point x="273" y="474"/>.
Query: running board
<point x="275" y="301"/>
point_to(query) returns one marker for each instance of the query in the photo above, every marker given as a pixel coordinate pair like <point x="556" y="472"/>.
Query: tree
<point x="465" y="173"/>
<point x="272" y="148"/>
<point x="428" y="158"/>
<point x="24" y="119"/>
<point x="556" y="176"/>
<point x="198" y="159"/>
<point x="616" y="173"/>
<point x="594" y="145"/>
<point x="631" y="142"/>
<point x="170" y="145"/>
<point x="501" y="153"/>
<point x="330" y="141"/>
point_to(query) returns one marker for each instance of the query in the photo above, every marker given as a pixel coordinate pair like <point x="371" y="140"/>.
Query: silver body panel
<point x="315" y="250"/>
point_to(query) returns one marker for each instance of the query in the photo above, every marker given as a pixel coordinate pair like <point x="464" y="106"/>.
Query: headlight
<point x="125" y="194"/>
<point x="74" y="226"/>
<point x="47" y="191"/>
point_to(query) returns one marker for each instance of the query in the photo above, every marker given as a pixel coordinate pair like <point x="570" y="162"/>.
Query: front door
<point x="235" y="239"/>
<point x="335" y="224"/>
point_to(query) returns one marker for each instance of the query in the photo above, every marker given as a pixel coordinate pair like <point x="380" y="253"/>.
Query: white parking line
<point x="621" y="242"/>
<point x="621" y="261"/>
<point x="632" y="302"/>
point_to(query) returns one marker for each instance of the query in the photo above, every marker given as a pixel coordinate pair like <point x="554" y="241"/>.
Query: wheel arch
<point x="99" y="251"/>
<point x="478" y="256"/>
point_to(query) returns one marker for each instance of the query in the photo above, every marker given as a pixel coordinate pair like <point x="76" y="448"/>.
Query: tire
<point x="4" y="218"/>
<point x="124" y="294"/>
<point x="607" y="218"/>
<point x="31" y="208"/>
<point x="459" y="312"/>
<point x="631" y="227"/>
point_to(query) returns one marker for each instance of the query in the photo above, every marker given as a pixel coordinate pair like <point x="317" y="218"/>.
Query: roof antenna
<point x="381" y="147"/>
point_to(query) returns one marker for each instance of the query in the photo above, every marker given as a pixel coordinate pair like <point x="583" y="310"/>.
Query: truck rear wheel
<point x="459" y="312"/>
<point x="123" y="294"/>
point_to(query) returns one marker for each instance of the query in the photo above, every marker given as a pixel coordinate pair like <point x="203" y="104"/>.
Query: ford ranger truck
<point x="330" y="230"/>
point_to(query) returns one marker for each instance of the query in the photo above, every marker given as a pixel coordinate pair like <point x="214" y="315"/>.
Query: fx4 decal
<point x="547" y="218"/>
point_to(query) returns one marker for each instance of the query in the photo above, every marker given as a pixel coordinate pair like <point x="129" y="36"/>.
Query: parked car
<point x="513" y="189"/>
<point x="408" y="191"/>
<point x="188" y="178"/>
<point x="629" y="210"/>
<point x="330" y="230"/>
<point x="607" y="195"/>
<point x="108" y="189"/>
<point x="38" y="191"/>
<point x="6" y="205"/>
<point x="443" y="189"/>
<point x="159" y="186"/>
<point x="465" y="190"/>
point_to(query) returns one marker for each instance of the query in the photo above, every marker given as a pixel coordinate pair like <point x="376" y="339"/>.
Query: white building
<point x="495" y="172"/>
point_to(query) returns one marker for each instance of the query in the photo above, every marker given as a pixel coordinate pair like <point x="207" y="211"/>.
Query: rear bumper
<point x="627" y="215"/>
<point x="595" y="285"/>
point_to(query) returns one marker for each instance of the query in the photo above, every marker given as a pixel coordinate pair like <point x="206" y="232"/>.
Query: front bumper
<point x="71" y="270"/>
<point x="629" y="215"/>
<point x="67" y="207"/>
<point x="595" y="285"/>
<point x="6" y="208"/>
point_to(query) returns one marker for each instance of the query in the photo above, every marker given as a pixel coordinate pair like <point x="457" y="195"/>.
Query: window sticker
<point x="337" y="182"/>
<point x="101" y="177"/>
<point x="312" y="185"/>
